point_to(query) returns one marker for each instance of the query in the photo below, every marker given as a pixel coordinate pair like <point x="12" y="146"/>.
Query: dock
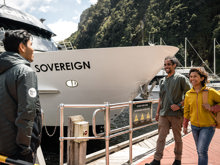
<point x="143" y="152"/>
<point x="189" y="156"/>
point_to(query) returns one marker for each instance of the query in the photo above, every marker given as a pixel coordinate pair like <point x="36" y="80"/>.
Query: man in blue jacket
<point x="20" y="111"/>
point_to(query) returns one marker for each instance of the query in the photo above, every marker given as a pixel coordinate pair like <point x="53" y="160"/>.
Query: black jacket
<point x="20" y="111"/>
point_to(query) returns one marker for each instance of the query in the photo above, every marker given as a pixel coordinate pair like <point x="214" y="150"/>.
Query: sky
<point x="61" y="16"/>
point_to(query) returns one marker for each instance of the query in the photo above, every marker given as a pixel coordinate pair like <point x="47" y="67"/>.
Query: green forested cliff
<point x="112" y="23"/>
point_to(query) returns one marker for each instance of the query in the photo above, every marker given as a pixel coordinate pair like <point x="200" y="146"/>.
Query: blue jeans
<point x="202" y="137"/>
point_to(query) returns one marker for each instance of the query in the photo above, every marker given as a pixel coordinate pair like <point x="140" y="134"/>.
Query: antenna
<point x="42" y="20"/>
<point x="4" y="2"/>
<point x="142" y="31"/>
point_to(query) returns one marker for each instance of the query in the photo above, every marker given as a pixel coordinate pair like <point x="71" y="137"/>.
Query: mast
<point x="142" y="32"/>
<point x="214" y="58"/>
<point x="185" y="50"/>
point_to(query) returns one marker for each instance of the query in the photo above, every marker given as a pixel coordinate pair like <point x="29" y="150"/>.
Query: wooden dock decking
<point x="140" y="150"/>
<point x="143" y="152"/>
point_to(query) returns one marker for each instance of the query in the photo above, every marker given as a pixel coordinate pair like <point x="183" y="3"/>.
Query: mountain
<point x="113" y="23"/>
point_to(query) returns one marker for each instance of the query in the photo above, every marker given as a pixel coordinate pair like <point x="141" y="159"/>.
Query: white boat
<point x="87" y="76"/>
<point x="95" y="76"/>
<point x="214" y="82"/>
<point x="13" y="19"/>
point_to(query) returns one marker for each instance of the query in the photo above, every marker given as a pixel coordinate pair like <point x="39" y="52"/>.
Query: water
<point x="50" y="145"/>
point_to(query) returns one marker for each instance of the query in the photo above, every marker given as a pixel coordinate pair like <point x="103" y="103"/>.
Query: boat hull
<point x="94" y="76"/>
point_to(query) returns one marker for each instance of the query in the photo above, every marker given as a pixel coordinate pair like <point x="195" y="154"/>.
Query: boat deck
<point x="143" y="152"/>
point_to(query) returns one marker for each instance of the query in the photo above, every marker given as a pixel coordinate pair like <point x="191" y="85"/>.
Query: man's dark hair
<point x="173" y="60"/>
<point x="13" y="38"/>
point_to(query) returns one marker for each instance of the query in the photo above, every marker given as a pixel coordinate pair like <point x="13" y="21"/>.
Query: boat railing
<point x="64" y="45"/>
<point x="108" y="133"/>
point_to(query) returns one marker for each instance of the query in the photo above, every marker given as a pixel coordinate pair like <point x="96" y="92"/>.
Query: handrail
<point x="94" y="123"/>
<point x="108" y="132"/>
<point x="115" y="106"/>
<point x="5" y="159"/>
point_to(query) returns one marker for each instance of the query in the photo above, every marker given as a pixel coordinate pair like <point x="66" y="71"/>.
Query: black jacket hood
<point x="10" y="59"/>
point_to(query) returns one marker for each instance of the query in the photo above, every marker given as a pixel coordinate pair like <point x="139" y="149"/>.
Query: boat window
<point x="215" y="81"/>
<point x="43" y="45"/>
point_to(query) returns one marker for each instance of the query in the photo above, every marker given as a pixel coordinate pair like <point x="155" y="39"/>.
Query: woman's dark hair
<point x="13" y="38"/>
<point x="173" y="60"/>
<point x="202" y="73"/>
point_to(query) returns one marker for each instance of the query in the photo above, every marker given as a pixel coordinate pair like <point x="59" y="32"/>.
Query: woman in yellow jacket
<point x="202" y="122"/>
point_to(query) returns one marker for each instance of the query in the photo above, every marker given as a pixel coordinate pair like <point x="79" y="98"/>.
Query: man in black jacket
<point x="20" y="111"/>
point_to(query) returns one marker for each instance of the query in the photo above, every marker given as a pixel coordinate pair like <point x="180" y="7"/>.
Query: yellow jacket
<point x="194" y="111"/>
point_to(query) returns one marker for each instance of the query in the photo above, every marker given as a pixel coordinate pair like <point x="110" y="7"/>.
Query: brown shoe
<point x="154" y="162"/>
